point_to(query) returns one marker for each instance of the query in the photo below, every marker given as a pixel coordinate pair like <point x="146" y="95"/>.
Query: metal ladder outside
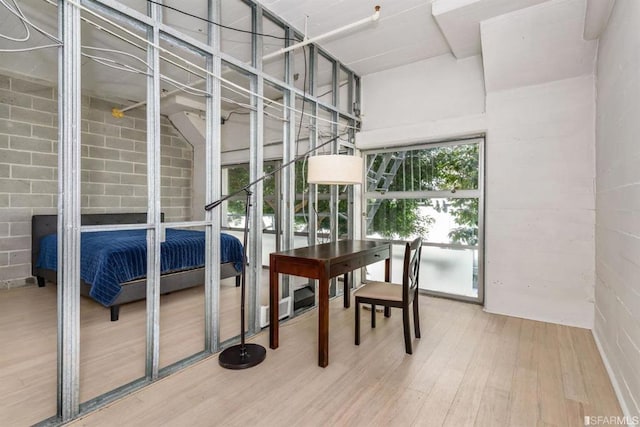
<point x="381" y="178"/>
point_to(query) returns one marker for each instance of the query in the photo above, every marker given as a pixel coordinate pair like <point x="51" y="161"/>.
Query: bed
<point x="113" y="263"/>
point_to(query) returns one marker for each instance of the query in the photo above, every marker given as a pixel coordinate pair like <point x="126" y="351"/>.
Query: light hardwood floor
<point x="469" y="368"/>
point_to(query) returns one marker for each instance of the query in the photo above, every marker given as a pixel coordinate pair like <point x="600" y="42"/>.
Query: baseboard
<point x="614" y="381"/>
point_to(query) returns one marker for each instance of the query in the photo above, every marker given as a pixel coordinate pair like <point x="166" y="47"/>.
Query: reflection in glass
<point x="272" y="42"/>
<point x="324" y="79"/>
<point x="235" y="14"/>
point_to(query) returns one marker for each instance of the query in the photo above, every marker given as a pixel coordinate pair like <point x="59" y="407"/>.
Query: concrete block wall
<point x="113" y="167"/>
<point x="617" y="289"/>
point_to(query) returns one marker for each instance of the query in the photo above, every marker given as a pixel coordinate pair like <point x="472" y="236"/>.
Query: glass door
<point x="434" y="191"/>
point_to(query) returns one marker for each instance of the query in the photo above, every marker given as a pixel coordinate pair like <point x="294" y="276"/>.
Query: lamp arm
<point x="267" y="175"/>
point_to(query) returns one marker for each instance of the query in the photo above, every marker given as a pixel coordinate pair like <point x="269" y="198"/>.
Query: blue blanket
<point x="109" y="258"/>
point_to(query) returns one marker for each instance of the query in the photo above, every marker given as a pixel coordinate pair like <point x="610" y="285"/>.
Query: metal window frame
<point x="478" y="193"/>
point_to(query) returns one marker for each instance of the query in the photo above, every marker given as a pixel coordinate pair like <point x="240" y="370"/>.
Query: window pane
<point x="443" y="168"/>
<point x="235" y="14"/>
<point x="447" y="221"/>
<point x="237" y="177"/>
<point x="273" y="42"/>
<point x="451" y="271"/>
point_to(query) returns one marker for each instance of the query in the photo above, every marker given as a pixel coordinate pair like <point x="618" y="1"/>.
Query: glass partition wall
<point x="160" y="156"/>
<point x="434" y="191"/>
<point x="114" y="162"/>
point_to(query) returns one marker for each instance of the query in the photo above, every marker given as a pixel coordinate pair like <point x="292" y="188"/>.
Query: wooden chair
<point x="395" y="295"/>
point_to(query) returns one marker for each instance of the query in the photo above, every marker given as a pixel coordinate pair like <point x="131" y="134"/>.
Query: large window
<point x="433" y="191"/>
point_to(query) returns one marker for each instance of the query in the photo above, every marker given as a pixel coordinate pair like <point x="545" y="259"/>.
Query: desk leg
<point x="347" y="294"/>
<point x="323" y="318"/>
<point x="387" y="278"/>
<point x="387" y="269"/>
<point x="273" y="307"/>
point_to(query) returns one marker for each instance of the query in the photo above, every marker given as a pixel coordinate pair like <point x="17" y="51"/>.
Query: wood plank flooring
<point x="469" y="368"/>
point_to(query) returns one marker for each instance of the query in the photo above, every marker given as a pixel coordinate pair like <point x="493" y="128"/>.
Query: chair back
<point x="410" y="276"/>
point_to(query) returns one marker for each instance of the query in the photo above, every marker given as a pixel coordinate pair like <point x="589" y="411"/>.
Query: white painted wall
<point x="540" y="164"/>
<point x="617" y="291"/>
<point x="425" y="91"/>
<point x="540" y="153"/>
<point x="539" y="44"/>
<point x="539" y="248"/>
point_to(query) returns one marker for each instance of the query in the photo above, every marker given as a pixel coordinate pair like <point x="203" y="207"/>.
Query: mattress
<point x="109" y="258"/>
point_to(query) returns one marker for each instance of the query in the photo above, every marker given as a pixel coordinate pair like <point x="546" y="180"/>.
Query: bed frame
<point x="135" y="290"/>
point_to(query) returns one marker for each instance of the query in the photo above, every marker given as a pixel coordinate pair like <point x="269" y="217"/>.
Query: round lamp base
<point x="237" y="357"/>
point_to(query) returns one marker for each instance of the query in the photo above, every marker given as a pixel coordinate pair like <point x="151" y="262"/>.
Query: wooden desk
<point x="322" y="262"/>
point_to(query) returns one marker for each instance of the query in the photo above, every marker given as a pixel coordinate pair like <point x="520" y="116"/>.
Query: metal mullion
<point x="114" y="227"/>
<point x="213" y="183"/>
<point x="336" y="84"/>
<point x="350" y="86"/>
<point x="312" y="226"/>
<point x="334" y="223"/>
<point x="357" y="102"/>
<point x="116" y="10"/>
<point x="312" y="222"/>
<point x="431" y="244"/>
<point x="256" y="170"/>
<point x="427" y="145"/>
<point x="278" y="207"/>
<point x="444" y="194"/>
<point x="184" y="224"/>
<point x="153" y="197"/>
<point x="351" y="212"/>
<point x="69" y="105"/>
<point x="277" y="82"/>
<point x="288" y="173"/>
<point x="458" y="297"/>
<point x="481" y="171"/>
<point x="333" y="189"/>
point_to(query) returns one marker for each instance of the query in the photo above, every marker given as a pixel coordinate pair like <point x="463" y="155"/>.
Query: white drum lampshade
<point x="334" y="169"/>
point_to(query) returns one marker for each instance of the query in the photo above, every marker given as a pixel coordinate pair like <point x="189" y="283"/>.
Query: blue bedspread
<point x="109" y="258"/>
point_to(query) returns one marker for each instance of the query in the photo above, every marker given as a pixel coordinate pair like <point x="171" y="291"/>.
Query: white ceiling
<point x="407" y="31"/>
<point x="516" y="53"/>
<point x="411" y="30"/>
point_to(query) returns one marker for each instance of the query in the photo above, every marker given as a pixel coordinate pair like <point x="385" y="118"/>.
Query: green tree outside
<point x="432" y="169"/>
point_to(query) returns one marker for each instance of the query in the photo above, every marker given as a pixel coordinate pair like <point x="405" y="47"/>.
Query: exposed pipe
<point x="306" y="41"/>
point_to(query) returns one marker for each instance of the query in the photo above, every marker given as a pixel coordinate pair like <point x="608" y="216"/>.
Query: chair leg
<point x="373" y="315"/>
<point x="416" y="316"/>
<point x="407" y="331"/>
<point x="345" y="291"/>
<point x="357" y="340"/>
<point x="387" y="311"/>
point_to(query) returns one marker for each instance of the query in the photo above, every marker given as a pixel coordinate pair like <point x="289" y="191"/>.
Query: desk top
<point x="332" y="250"/>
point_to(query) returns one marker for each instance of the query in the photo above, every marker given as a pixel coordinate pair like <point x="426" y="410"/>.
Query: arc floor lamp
<point x="331" y="169"/>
